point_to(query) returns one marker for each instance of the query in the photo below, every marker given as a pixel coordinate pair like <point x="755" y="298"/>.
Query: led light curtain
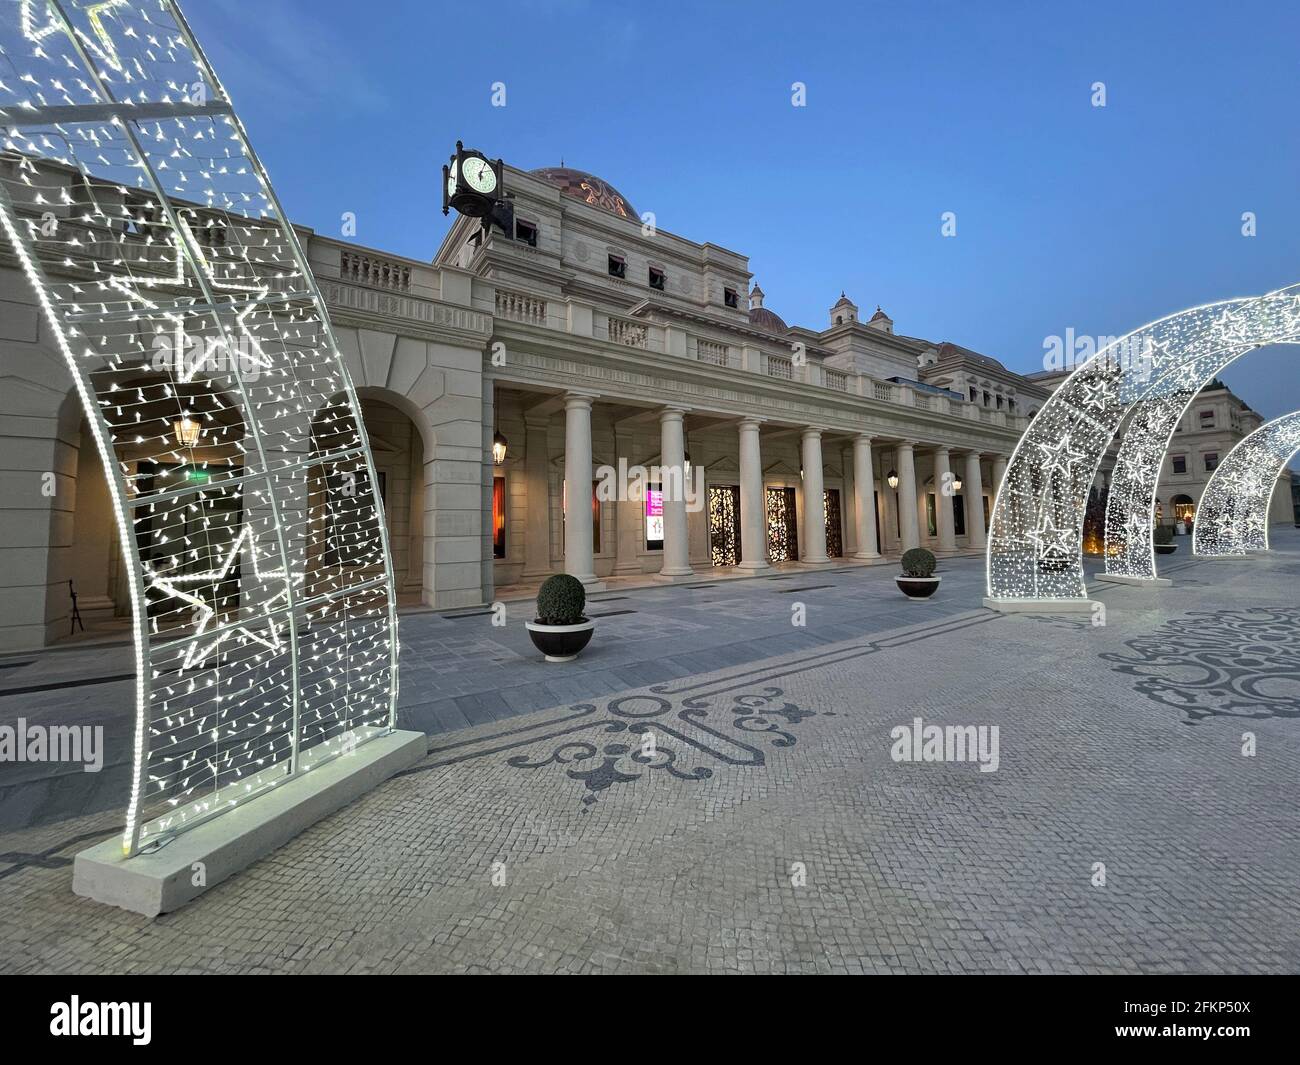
<point x="1232" y="517"/>
<point x="177" y="292"/>
<point x="1035" y="548"/>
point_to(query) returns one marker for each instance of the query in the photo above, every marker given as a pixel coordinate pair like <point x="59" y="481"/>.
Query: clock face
<point x="451" y="180"/>
<point x="479" y="175"/>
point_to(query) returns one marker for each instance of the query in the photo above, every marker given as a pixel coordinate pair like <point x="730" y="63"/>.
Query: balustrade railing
<point x="520" y="307"/>
<point x="711" y="352"/>
<point x="373" y="270"/>
<point x="628" y="333"/>
<point x="780" y="366"/>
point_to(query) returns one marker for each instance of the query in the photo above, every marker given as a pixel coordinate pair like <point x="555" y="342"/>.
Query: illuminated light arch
<point x="241" y="479"/>
<point x="1232" y="517"/>
<point x="1034" y="553"/>
<point x="1130" y="505"/>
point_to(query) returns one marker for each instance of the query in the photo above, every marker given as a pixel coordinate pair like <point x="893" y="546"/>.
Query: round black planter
<point x="560" y="643"/>
<point x="1166" y="549"/>
<point x="918" y="587"/>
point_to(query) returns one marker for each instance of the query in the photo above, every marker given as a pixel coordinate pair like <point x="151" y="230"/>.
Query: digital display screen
<point x="654" y="516"/>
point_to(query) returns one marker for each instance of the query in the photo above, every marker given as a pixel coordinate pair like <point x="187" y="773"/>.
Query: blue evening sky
<point x="1069" y="216"/>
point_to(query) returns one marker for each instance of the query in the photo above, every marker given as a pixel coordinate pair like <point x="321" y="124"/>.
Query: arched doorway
<point x="398" y="452"/>
<point x="1184" y="509"/>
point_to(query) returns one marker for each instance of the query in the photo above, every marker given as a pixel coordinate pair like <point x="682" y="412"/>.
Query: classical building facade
<point x="1215" y="423"/>
<point x="502" y="382"/>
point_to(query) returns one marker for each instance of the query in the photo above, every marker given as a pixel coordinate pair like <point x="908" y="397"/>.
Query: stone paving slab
<point x="770" y="829"/>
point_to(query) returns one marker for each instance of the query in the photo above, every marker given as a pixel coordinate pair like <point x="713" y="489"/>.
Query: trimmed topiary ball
<point x="918" y="562"/>
<point x="560" y="600"/>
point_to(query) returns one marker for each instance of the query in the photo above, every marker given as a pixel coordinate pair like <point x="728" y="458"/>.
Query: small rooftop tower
<point x="844" y="311"/>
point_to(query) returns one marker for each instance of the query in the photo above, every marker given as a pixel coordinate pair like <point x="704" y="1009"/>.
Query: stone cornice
<point x="563" y="361"/>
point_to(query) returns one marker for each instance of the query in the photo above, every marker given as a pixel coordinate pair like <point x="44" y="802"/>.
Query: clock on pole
<point x="474" y="185"/>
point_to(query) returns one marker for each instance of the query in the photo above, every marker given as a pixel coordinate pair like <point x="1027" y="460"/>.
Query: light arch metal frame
<point x="1035" y="548"/>
<point x="1232" y="516"/>
<point x="178" y="294"/>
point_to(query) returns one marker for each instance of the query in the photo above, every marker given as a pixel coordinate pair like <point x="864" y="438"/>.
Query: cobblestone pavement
<point x="458" y="669"/>
<point x="770" y="830"/>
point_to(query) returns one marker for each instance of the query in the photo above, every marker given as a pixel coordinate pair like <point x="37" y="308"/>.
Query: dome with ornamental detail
<point x="588" y="188"/>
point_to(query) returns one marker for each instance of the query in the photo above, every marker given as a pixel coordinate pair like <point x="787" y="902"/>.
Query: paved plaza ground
<point x="770" y="830"/>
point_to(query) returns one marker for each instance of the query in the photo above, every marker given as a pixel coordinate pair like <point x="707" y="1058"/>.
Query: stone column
<point x="629" y="514"/>
<point x="864" y="503"/>
<point x="672" y="460"/>
<point x="848" y="504"/>
<point x="973" y="490"/>
<point x="943" y="499"/>
<point x="753" y="501"/>
<point x="578" y="559"/>
<point x="889" y="523"/>
<point x="537" y="493"/>
<point x="999" y="471"/>
<point x="907" y="497"/>
<point x="814" y="505"/>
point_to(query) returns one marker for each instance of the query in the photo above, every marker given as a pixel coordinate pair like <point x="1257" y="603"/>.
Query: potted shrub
<point x="1163" y="537"/>
<point x="917" y="579"/>
<point x="561" y="630"/>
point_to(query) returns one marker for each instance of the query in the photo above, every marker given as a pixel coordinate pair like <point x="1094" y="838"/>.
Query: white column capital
<point x="750" y="424"/>
<point x="812" y="432"/>
<point x="672" y="414"/>
<point x="579" y="400"/>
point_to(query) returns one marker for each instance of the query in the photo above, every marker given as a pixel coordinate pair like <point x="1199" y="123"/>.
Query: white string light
<point x="1035" y="549"/>
<point x="1232" y="517"/>
<point x="262" y="594"/>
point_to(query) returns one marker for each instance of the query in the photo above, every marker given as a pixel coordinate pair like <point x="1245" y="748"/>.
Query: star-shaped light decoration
<point x="102" y="47"/>
<point x="1060" y="457"/>
<point x="1051" y="543"/>
<point x="198" y="652"/>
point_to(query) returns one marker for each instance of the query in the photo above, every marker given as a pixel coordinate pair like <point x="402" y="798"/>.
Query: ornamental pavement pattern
<point x="551" y="841"/>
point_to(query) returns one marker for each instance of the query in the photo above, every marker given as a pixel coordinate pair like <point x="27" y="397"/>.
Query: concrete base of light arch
<point x="164" y="880"/>
<point x="1134" y="582"/>
<point x="1042" y="606"/>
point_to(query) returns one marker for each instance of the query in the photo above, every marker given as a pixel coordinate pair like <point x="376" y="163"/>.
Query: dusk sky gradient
<point x="1068" y="216"/>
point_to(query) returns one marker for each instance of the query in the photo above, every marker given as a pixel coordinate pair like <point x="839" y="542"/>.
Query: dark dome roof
<point x="588" y="188"/>
<point x="762" y="318"/>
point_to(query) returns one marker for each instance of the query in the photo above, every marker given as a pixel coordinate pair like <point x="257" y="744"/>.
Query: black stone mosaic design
<point x="1220" y="663"/>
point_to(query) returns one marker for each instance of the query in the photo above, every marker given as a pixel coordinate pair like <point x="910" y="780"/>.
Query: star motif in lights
<point x="102" y="48"/>
<point x="186" y="369"/>
<point x="1095" y="392"/>
<point x="197" y="653"/>
<point x="1051" y="543"/>
<point x="1135" y="530"/>
<point x="1060" y="456"/>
